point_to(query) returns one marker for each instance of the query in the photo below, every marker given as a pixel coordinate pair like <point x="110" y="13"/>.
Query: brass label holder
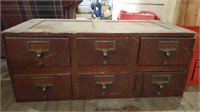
<point x="160" y="80"/>
<point x="43" y="82"/>
<point x="39" y="47"/>
<point x="168" y="46"/>
<point x="105" y="47"/>
<point x="104" y="80"/>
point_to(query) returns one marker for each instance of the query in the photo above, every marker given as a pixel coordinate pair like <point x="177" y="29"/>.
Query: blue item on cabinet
<point x="96" y="7"/>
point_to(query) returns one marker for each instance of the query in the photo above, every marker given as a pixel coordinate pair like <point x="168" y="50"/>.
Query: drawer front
<point x="38" y="51"/>
<point x="105" y="51"/>
<point x="165" y="51"/>
<point x="163" y="83"/>
<point x="42" y="87"/>
<point x="104" y="85"/>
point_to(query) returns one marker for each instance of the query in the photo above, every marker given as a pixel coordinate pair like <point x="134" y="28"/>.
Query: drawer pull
<point x="39" y="54"/>
<point x="104" y="80"/>
<point x="104" y="85"/>
<point x="39" y="47"/>
<point x="44" y="88"/>
<point x="168" y="46"/>
<point x="105" y="47"/>
<point x="43" y="83"/>
<point x="168" y="53"/>
<point x="105" y="53"/>
<point x="160" y="86"/>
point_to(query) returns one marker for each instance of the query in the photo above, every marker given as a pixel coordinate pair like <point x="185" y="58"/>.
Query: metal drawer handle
<point x="39" y="47"/>
<point x="44" y="89"/>
<point x="104" y="85"/>
<point x="43" y="83"/>
<point x="168" y="46"/>
<point x="39" y="54"/>
<point x="105" y="47"/>
<point x="160" y="86"/>
<point x="168" y="53"/>
<point x="105" y="53"/>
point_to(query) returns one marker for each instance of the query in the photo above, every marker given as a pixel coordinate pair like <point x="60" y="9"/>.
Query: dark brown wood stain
<point x="74" y="53"/>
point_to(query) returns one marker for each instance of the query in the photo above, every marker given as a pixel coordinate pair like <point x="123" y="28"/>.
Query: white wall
<point x="85" y="6"/>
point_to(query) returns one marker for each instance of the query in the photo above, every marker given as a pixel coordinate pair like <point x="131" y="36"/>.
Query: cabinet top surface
<point x="94" y="26"/>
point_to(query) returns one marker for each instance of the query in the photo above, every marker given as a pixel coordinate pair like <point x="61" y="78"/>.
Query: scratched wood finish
<point x="89" y="26"/>
<point x="173" y="88"/>
<point x="117" y="84"/>
<point x="27" y="87"/>
<point x="149" y="48"/>
<point x="102" y="58"/>
<point x="118" y="45"/>
<point x="27" y="50"/>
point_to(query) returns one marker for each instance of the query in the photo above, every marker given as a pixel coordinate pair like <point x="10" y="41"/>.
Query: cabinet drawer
<point x="163" y="83"/>
<point x="165" y="51"/>
<point x="106" y="85"/>
<point x="42" y="87"/>
<point x="105" y="51"/>
<point x="38" y="51"/>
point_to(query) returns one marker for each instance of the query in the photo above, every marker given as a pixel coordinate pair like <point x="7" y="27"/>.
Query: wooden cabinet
<point x="75" y="59"/>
